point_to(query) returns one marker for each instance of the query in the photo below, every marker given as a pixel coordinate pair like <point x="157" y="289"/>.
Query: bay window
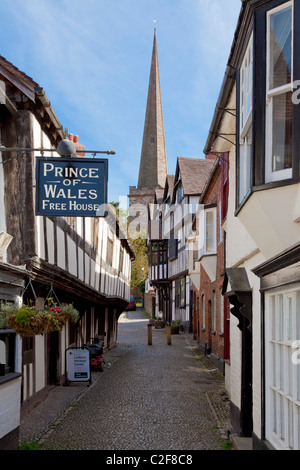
<point x="268" y="115"/>
<point x="207" y="231"/>
<point x="279" y="88"/>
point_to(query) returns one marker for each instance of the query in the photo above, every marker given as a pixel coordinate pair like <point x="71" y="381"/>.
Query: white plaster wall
<point x="63" y="346"/>
<point x="273" y="211"/>
<point x="235" y="362"/>
<point x="97" y="278"/>
<point x="71" y="256"/>
<point x="87" y="268"/>
<point x="256" y="338"/>
<point x="80" y="263"/>
<point x="93" y="268"/>
<point x="79" y="226"/>
<point x="228" y="379"/>
<point x="27" y="372"/>
<point x="50" y="238"/>
<point x="239" y="244"/>
<point x="257" y="233"/>
<point x="40" y="362"/>
<point x="102" y="280"/>
<point x="88" y="235"/>
<point x="10" y="406"/>
<point x="40" y="237"/>
<point x="61" y="248"/>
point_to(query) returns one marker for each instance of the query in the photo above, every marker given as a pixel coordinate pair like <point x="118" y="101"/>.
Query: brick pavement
<point x="159" y="397"/>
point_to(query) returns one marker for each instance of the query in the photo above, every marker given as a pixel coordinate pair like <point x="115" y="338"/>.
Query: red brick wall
<point x="205" y="336"/>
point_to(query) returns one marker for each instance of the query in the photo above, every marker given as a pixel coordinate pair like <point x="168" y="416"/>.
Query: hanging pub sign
<point x="71" y="187"/>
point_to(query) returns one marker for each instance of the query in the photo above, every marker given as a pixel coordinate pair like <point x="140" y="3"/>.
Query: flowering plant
<point x="28" y="320"/>
<point x="54" y="313"/>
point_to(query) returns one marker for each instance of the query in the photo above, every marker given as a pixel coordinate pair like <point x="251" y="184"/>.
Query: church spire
<point x="153" y="162"/>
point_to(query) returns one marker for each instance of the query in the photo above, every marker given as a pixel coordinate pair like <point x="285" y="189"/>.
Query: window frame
<point x="202" y="240"/>
<point x="180" y="195"/>
<point x="9" y="370"/>
<point x="245" y="139"/>
<point x="173" y="241"/>
<point x="180" y="292"/>
<point x="271" y="93"/>
<point x="256" y="23"/>
<point x="249" y="50"/>
<point x="282" y="384"/>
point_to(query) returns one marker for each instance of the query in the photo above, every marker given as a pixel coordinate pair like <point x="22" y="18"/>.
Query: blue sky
<point x="93" y="59"/>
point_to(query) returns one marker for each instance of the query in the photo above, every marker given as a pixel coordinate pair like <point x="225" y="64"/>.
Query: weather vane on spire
<point x="154" y="21"/>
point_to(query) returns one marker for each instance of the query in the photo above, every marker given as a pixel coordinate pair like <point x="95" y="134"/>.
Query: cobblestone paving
<point x="159" y="397"/>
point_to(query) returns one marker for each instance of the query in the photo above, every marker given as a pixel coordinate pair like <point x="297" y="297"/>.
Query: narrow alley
<point x="149" y="397"/>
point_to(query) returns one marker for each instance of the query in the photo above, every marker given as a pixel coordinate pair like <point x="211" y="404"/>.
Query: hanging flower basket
<point x="59" y="315"/>
<point x="30" y="321"/>
<point x="70" y="313"/>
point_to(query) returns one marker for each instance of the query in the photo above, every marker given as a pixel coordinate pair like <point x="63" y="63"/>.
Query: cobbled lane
<point x="159" y="397"/>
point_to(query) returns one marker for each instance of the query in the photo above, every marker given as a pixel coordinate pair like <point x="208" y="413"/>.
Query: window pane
<point x="209" y="231"/>
<point x="280" y="48"/>
<point x="282" y="131"/>
<point x="182" y="292"/>
<point x="297" y="335"/>
<point x="246" y="86"/>
<point x="245" y="166"/>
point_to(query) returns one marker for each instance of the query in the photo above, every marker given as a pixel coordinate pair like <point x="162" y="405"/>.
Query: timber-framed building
<point x="85" y="261"/>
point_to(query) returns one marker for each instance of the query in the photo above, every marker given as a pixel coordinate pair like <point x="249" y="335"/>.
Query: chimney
<point x="75" y="140"/>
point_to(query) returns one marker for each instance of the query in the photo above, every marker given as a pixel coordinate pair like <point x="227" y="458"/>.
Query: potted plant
<point x="159" y="322"/>
<point x="175" y="327"/>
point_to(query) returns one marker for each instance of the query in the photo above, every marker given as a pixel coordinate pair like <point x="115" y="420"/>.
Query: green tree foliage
<point x="138" y="275"/>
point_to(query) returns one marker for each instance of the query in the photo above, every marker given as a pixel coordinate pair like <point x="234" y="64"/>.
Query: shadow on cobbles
<point x="149" y="397"/>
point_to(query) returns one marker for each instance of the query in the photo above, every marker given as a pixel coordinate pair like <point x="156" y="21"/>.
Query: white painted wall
<point x="10" y="406"/>
<point x="40" y="376"/>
